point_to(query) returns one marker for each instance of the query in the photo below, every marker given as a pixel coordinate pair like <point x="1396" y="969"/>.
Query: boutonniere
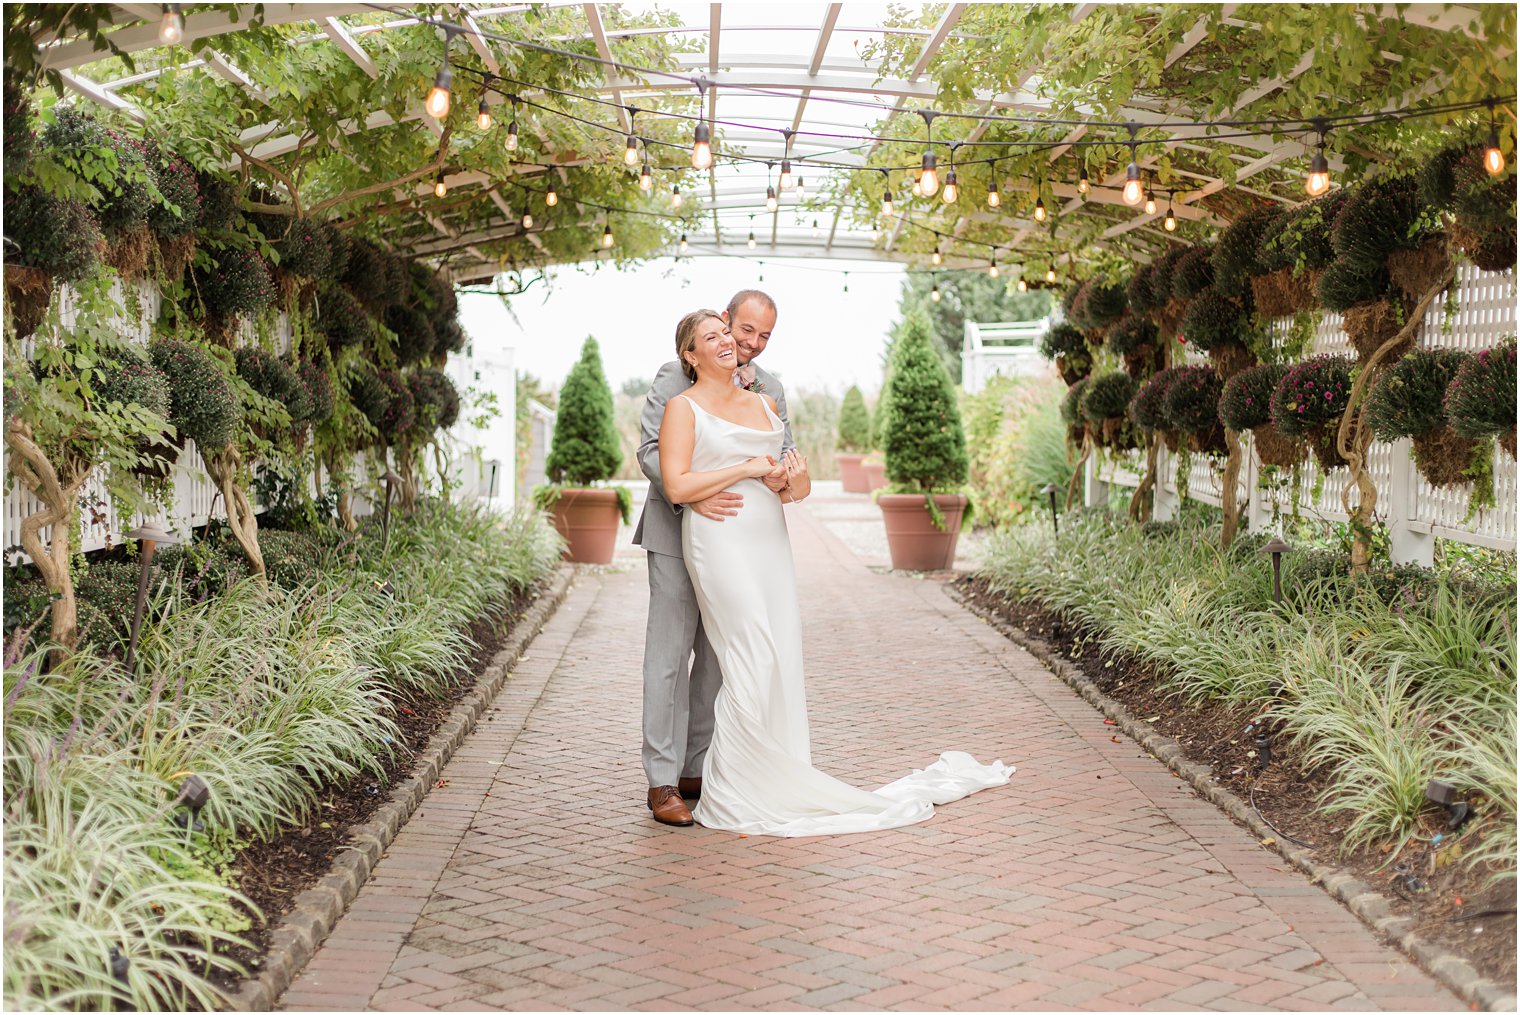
<point x="756" y="386"/>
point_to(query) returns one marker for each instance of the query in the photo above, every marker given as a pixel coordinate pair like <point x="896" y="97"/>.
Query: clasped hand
<point x="777" y="476"/>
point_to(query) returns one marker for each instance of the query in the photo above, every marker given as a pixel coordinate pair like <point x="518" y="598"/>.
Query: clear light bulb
<point x="1083" y="183"/>
<point x="934" y="293"/>
<point x="1150" y="204"/>
<point x="936" y="258"/>
<point x="992" y="269"/>
<point x="438" y="98"/>
<point x="751" y="240"/>
<point x="786" y="174"/>
<point x="1039" y="209"/>
<point x="928" y="180"/>
<point x="886" y="203"/>
<point x="483" y="117"/>
<point x="439" y="187"/>
<point x="1023" y="286"/>
<point x="1493" y="158"/>
<point x="551" y="197"/>
<point x="918" y="188"/>
<point x="770" y="199"/>
<point x="801" y="189"/>
<point x="512" y="137"/>
<point x="646" y="180"/>
<point x="675" y="196"/>
<point x="952" y="189"/>
<point x="631" y="151"/>
<point x="684" y="244"/>
<point x="1171" y="220"/>
<point x="1134" y="192"/>
<point x="701" y="147"/>
<point x="171" y="30"/>
<point x="527" y="220"/>
<point x="993" y="197"/>
<point x="1050" y="274"/>
<point x="607" y="237"/>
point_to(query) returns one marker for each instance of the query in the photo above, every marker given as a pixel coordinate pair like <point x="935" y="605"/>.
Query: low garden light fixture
<point x="1050" y="490"/>
<point x="1445" y="795"/>
<point x="1263" y="744"/>
<point x="1277" y="546"/>
<point x="119" y="964"/>
<point x="150" y="535"/>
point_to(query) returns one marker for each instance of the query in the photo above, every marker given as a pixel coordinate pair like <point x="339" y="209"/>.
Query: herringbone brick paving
<point x="534" y="878"/>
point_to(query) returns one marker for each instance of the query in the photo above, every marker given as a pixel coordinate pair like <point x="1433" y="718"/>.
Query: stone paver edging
<point x="295" y="938"/>
<point x="1372" y="907"/>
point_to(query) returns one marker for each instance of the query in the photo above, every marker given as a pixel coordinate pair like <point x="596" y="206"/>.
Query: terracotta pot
<point x="876" y="475"/>
<point x="588" y="519"/>
<point x="851" y="476"/>
<point x="912" y="539"/>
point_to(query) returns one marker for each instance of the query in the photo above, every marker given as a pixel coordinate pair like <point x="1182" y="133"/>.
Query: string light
<point x="918" y="187"/>
<point x="751" y="239"/>
<point x="770" y="199"/>
<point x="934" y="293"/>
<point x="1039" y="209"/>
<point x="646" y="179"/>
<point x="675" y="195"/>
<point x="607" y="236"/>
<point x="438" y="98"/>
<point x="1493" y="158"/>
<point x="1050" y="273"/>
<point x="527" y="219"/>
<point x="801" y="189"/>
<point x="701" y="136"/>
<point x="846" y="281"/>
<point x="631" y="151"/>
<point x="551" y="196"/>
<point x="936" y="258"/>
<point x="928" y="180"/>
<point x="483" y="117"/>
<point x="786" y="174"/>
<point x="952" y="190"/>
<point x="816" y="231"/>
<point x="512" y="135"/>
<point x="683" y="243"/>
<point x="171" y="29"/>
<point x="1083" y="183"/>
<point x="1023" y="286"/>
<point x="992" y="269"/>
<point x="439" y="187"/>
<point x="762" y="272"/>
<point x="1134" y="190"/>
<point x="1150" y="202"/>
<point x="1171" y="219"/>
<point x="993" y="197"/>
<point x="1318" y="180"/>
<point x="886" y="203"/>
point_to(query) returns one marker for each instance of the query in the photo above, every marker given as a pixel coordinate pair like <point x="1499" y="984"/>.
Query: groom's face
<point x="751" y="326"/>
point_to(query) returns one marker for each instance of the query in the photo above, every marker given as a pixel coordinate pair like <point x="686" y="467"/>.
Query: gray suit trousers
<point x="681" y="676"/>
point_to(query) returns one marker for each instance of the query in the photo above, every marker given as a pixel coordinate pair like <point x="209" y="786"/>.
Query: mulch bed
<point x="273" y="873"/>
<point x="1285" y="794"/>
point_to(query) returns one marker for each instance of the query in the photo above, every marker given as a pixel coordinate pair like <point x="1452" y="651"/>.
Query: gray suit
<point x="681" y="674"/>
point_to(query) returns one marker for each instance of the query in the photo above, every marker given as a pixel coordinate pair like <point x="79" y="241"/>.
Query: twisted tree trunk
<point x="1143" y="502"/>
<point x="1076" y="475"/>
<point x="59" y="496"/>
<point x="1354" y="437"/>
<point x="1229" y="496"/>
<point x="223" y="468"/>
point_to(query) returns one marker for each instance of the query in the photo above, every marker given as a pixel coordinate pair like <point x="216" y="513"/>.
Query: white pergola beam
<point x="599" y="37"/>
<point x="100" y="96"/>
<point x="340" y="37"/>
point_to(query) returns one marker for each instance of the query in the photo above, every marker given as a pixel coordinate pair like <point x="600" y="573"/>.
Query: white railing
<point x="1414" y="511"/>
<point x="1009" y="349"/>
<point x="194" y="498"/>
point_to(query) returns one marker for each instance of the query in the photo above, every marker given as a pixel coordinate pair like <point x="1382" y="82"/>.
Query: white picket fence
<point x="195" y="498"/>
<point x="1414" y="511"/>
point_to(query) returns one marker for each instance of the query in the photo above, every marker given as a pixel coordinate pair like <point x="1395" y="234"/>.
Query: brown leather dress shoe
<point x="691" y="787"/>
<point x="665" y="802"/>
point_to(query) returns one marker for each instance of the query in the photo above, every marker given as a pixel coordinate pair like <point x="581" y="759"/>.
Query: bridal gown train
<point x="758" y="777"/>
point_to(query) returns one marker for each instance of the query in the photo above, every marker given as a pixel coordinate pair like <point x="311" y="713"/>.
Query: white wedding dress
<point x="758" y="777"/>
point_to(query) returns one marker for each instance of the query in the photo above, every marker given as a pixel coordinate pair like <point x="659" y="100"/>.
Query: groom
<point x="681" y="675"/>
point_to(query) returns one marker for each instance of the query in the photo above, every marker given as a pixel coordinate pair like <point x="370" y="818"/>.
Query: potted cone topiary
<point x="1246" y="404"/>
<point x="1480" y="400"/>
<point x="585" y="449"/>
<point x="1309" y="402"/>
<point x="1406" y="402"/>
<point x="925" y="450"/>
<point x="854" y="441"/>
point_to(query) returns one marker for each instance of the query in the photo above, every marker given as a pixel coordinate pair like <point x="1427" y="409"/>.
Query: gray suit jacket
<point x="659" y="529"/>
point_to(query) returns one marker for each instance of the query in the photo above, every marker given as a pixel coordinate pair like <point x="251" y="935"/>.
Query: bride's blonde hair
<point x="686" y="338"/>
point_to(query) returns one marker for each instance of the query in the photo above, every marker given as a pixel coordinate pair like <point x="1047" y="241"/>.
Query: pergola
<point x="801" y="80"/>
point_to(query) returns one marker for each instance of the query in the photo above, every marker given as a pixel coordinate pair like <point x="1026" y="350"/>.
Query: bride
<point x="758" y="777"/>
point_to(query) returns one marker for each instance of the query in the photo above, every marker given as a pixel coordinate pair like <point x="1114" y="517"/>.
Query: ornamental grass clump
<point x="1191" y="408"/>
<point x="854" y="423"/>
<point x="1066" y="345"/>
<point x="203" y="406"/>
<point x="1406" y="402"/>
<point x="1480" y="400"/>
<point x="1309" y="402"/>
<point x="923" y="441"/>
<point x="1245" y="403"/>
<point x="585" y="447"/>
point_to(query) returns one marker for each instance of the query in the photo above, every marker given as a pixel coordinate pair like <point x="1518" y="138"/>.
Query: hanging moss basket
<point x="1280" y="293"/>
<point x="1480" y="401"/>
<point x="1273" y="448"/>
<point x="1445" y="457"/>
<point x="1416" y="269"/>
<point x="1191" y="407"/>
<point x="28" y="292"/>
<point x="1369" y="325"/>
<point x="1067" y="346"/>
<point x="1309" y="402"/>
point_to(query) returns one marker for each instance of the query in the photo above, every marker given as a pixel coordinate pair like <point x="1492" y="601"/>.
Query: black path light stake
<point x="151" y="535"/>
<point x="1050" y="489"/>
<point x="1277" y="546"/>
<point x="491" y="490"/>
<point x="119" y="964"/>
<point x="194" y="793"/>
<point x="390" y="479"/>
<point x="1445" y="795"/>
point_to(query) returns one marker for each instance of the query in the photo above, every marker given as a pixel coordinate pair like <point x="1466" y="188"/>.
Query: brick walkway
<point x="535" y="879"/>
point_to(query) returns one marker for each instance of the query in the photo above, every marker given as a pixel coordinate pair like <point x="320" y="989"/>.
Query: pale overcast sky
<point x="824" y="337"/>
